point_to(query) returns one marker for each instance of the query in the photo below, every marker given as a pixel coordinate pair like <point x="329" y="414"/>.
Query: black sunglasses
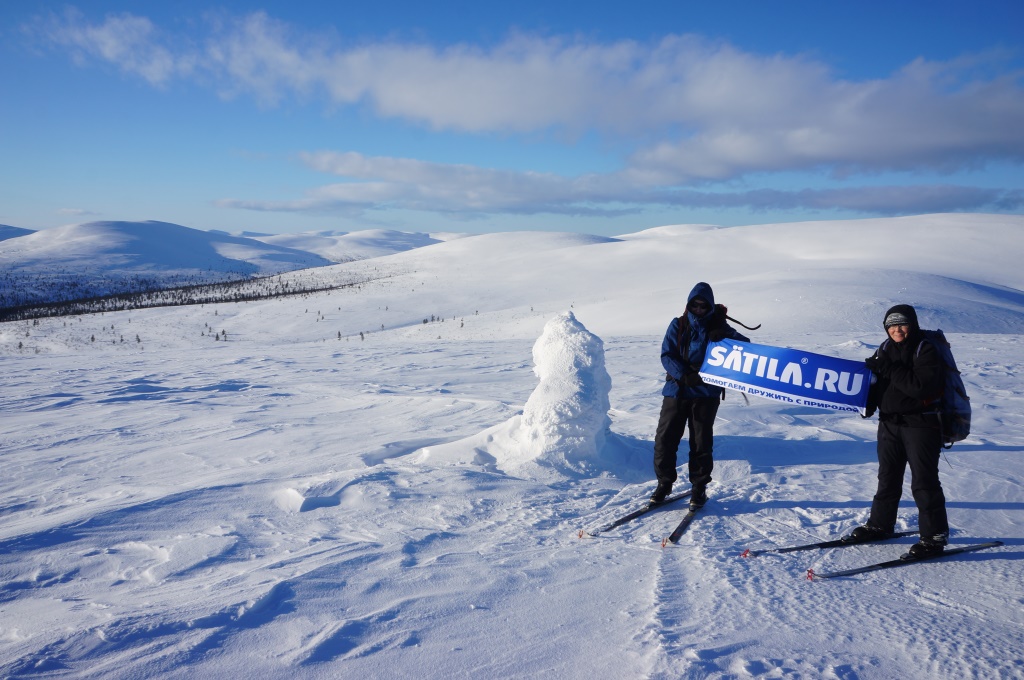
<point x="698" y="305"/>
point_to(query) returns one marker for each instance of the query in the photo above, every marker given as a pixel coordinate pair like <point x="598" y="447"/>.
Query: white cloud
<point x="259" y="55"/>
<point x="738" y="112"/>
<point x="125" y="40"/>
<point x="382" y="183"/>
<point x="881" y="200"/>
<point x="924" y="117"/>
<point x="695" y="111"/>
<point x="379" y="183"/>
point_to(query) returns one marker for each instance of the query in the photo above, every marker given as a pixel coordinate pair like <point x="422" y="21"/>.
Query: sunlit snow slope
<point x="374" y="482"/>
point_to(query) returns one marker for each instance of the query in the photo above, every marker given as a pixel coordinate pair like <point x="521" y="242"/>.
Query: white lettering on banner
<point x="771" y="394"/>
<point x="841" y="381"/>
<point x="795" y="375"/>
<point x="734" y="362"/>
<point x="828" y="405"/>
<point x="748" y="362"/>
<point x="740" y="360"/>
<point x="792" y="373"/>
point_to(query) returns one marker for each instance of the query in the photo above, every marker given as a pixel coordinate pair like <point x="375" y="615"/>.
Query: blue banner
<point x="788" y="375"/>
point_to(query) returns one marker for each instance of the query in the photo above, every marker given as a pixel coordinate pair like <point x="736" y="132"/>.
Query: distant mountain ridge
<point x="341" y="246"/>
<point x="765" y="272"/>
<point x="113" y="257"/>
<point x="101" y="258"/>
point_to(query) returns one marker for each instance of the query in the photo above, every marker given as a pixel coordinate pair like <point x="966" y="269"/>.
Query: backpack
<point x="953" y="405"/>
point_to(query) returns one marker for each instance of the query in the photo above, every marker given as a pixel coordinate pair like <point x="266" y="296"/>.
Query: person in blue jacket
<point x="689" y="403"/>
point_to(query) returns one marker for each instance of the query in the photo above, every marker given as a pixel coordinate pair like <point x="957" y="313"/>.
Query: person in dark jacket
<point x="910" y="377"/>
<point x="688" y="402"/>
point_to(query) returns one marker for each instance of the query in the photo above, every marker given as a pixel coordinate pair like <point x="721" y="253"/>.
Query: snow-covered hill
<point x="97" y="258"/>
<point x="341" y="484"/>
<point x="7" y="232"/>
<point x="339" y="246"/>
<point x="151" y="246"/>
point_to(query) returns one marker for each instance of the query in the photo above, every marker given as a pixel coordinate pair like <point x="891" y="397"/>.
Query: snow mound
<point x="340" y="246"/>
<point x="670" y="231"/>
<point x="564" y="427"/>
<point x="565" y="419"/>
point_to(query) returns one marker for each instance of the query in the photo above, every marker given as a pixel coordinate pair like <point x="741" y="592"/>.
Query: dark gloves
<point x="718" y="334"/>
<point x="880" y="365"/>
<point x="693" y="380"/>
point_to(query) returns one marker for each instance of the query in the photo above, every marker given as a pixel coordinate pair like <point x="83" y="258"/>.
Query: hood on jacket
<point x="703" y="291"/>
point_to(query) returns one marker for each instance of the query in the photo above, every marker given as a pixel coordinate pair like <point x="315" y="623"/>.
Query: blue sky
<point x="465" y="116"/>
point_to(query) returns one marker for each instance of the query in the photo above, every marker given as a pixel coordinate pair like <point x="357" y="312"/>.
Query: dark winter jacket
<point x="911" y="377"/>
<point x="679" y="362"/>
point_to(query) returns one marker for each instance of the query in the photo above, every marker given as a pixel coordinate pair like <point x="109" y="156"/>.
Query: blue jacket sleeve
<point x="670" y="354"/>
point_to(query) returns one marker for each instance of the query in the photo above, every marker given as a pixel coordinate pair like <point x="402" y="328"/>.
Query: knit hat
<point x="896" y="319"/>
<point x="899" y="315"/>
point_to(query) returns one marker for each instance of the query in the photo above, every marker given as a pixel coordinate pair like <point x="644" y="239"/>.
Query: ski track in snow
<point x="719" y="615"/>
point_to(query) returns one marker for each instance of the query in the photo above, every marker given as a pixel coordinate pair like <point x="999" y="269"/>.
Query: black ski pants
<point x="920" y="447"/>
<point x="677" y="416"/>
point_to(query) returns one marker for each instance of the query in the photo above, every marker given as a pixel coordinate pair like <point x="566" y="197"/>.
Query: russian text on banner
<point x="788" y="375"/>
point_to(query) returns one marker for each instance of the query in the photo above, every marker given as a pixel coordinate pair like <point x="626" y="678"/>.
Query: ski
<point x="681" y="529"/>
<point x="814" y="576"/>
<point x="632" y="516"/>
<point x="837" y="543"/>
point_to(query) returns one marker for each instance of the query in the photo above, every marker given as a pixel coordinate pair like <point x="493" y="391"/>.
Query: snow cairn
<point x="565" y="420"/>
<point x="564" y="425"/>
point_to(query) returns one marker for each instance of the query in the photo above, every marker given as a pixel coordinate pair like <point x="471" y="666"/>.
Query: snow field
<point x="262" y="506"/>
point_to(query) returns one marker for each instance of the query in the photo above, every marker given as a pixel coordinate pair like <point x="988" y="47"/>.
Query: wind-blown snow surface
<point x="179" y="506"/>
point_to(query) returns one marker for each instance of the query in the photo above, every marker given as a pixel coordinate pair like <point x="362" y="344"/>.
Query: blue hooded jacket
<point x="680" y="361"/>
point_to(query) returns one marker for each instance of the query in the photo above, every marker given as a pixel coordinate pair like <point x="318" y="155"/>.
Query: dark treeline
<point x="197" y="294"/>
<point x="24" y="289"/>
